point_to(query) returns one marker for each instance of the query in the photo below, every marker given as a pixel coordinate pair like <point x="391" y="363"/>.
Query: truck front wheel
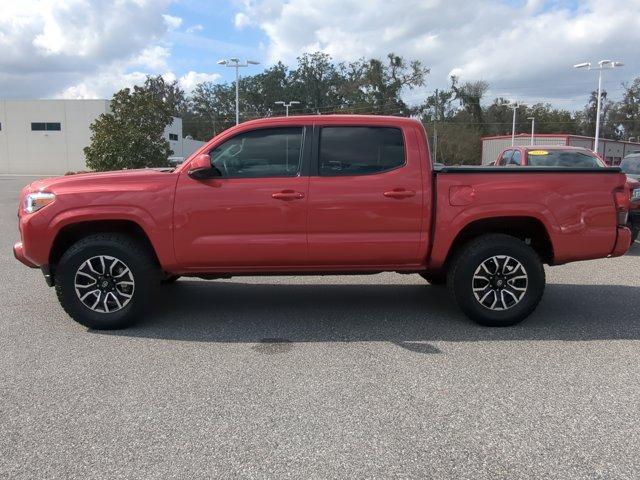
<point x="497" y="280"/>
<point x="105" y="281"/>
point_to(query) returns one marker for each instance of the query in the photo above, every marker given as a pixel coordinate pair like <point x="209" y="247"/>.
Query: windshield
<point x="631" y="165"/>
<point x="561" y="158"/>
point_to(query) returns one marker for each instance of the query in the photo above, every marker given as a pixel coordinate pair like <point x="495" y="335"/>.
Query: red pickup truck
<point x="318" y="195"/>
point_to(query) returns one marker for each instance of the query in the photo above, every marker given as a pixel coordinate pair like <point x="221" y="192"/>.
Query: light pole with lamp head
<point x="235" y="63"/>
<point x="602" y="65"/>
<point x="287" y="105"/>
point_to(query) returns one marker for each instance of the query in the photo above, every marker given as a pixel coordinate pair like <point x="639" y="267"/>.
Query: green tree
<point x="459" y="144"/>
<point x="259" y="92"/>
<point x="211" y="110"/>
<point x="627" y="114"/>
<point x="383" y="84"/>
<point x="169" y="93"/>
<point x="321" y="86"/>
<point x="470" y="94"/>
<point x="438" y="107"/>
<point x="315" y="83"/>
<point x="499" y="117"/>
<point x="608" y="114"/>
<point x="132" y="134"/>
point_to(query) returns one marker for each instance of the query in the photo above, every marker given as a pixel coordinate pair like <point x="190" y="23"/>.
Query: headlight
<point x="635" y="195"/>
<point x="35" y="201"/>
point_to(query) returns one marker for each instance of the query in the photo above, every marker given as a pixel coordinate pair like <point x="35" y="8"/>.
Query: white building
<point x="47" y="137"/>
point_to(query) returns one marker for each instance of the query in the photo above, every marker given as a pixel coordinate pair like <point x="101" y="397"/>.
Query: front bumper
<point x="18" y="252"/>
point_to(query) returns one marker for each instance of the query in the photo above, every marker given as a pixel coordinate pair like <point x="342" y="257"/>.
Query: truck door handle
<point x="287" y="195"/>
<point x="399" y="193"/>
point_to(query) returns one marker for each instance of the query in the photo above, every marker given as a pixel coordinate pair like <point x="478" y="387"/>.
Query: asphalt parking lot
<point x="321" y="377"/>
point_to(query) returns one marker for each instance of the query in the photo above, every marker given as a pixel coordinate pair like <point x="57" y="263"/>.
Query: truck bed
<point x="575" y="206"/>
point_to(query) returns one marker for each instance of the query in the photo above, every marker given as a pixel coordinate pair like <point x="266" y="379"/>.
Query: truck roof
<point x="334" y="119"/>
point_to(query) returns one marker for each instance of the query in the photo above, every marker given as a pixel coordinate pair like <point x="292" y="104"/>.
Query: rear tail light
<point x="623" y="202"/>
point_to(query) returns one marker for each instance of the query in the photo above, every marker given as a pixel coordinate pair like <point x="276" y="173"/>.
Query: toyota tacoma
<point x="318" y="195"/>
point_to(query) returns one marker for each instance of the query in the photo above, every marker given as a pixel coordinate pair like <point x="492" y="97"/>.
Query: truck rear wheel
<point x="497" y="280"/>
<point x="105" y="281"/>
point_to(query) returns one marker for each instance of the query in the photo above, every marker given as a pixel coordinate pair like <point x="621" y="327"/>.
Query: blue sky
<point x="208" y="34"/>
<point x="524" y="49"/>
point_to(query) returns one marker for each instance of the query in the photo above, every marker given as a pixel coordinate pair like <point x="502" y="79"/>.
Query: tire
<point x="634" y="235"/>
<point x="169" y="279"/>
<point x="514" y="275"/>
<point x="125" y="275"/>
<point x="435" y="278"/>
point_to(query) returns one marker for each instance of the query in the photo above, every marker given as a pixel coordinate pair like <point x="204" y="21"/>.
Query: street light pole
<point x="602" y="65"/>
<point x="235" y="63"/>
<point x="533" y="127"/>
<point x="435" y="131"/>
<point x="598" y="103"/>
<point x="287" y="105"/>
<point x="515" y="106"/>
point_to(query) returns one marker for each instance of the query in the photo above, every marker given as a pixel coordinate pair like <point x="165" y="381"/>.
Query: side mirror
<point x="200" y="167"/>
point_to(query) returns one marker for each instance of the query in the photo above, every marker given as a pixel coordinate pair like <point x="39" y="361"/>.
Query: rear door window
<point x="348" y="151"/>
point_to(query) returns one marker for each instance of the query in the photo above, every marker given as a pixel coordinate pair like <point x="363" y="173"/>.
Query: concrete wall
<point x="46" y="152"/>
<point x="174" y="130"/>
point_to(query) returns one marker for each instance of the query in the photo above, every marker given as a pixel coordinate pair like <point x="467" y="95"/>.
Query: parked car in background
<point x="549" y="156"/>
<point x="577" y="157"/>
<point x="630" y="165"/>
<point x="318" y="194"/>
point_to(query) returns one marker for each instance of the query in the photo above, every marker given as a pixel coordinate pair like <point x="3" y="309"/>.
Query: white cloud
<point x="51" y="46"/>
<point x="109" y="80"/>
<point x="194" y="29"/>
<point x="103" y="84"/>
<point x="152" y="58"/>
<point x="172" y="22"/>
<point x="524" y="50"/>
<point x="189" y="80"/>
<point x="241" y="20"/>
